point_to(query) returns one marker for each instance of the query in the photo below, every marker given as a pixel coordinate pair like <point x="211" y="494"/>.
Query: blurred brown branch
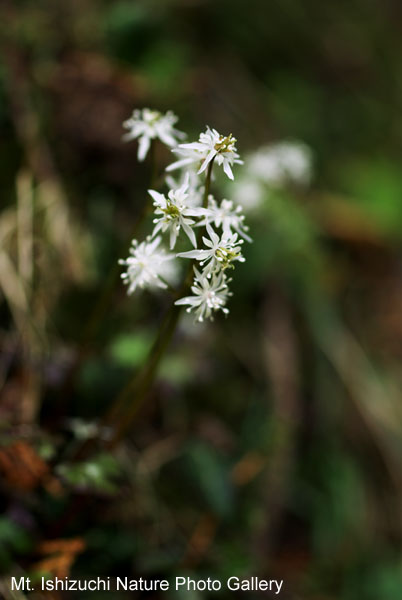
<point x="280" y="350"/>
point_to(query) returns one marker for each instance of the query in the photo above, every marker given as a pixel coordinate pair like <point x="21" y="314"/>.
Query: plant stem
<point x="126" y="405"/>
<point x="207" y="184"/>
<point x="137" y="389"/>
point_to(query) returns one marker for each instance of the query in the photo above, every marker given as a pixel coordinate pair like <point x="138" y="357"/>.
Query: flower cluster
<point x="146" y="125"/>
<point x="211" y="146"/>
<point x="281" y="162"/>
<point x="273" y="167"/>
<point x="188" y="213"/>
<point x="148" y="266"/>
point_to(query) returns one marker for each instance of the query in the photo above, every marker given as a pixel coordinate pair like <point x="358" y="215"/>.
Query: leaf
<point x="130" y="350"/>
<point x="376" y="186"/>
<point x="13" y="536"/>
<point x="97" y="473"/>
<point x="212" y="477"/>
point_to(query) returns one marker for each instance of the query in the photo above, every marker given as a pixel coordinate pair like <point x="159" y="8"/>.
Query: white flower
<point x="210" y="146"/>
<point x="227" y="216"/>
<point x="148" y="266"/>
<point x="249" y="193"/>
<point x="278" y="163"/>
<point x="220" y="253"/>
<point x="175" y="212"/>
<point x="149" y="124"/>
<point x="195" y="189"/>
<point x="190" y="157"/>
<point x="210" y="295"/>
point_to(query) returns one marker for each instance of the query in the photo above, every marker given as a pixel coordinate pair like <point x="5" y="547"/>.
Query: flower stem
<point x="128" y="402"/>
<point x="207" y="184"/>
<point x="133" y="395"/>
<point x="201" y="230"/>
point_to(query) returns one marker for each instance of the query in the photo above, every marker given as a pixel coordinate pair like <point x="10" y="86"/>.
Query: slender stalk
<point x="153" y="165"/>
<point x="137" y="389"/>
<point x="208" y="177"/>
<point x="207" y="183"/>
<point x="128" y="402"/>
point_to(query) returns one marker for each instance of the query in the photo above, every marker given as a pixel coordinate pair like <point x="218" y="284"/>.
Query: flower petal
<point x="227" y="169"/>
<point x="143" y="147"/>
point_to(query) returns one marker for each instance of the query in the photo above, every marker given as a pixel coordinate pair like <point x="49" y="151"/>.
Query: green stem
<point x="133" y="395"/>
<point x="126" y="405"/>
<point x="137" y="389"/>
<point x="189" y="275"/>
<point x="153" y="165"/>
<point x="207" y="184"/>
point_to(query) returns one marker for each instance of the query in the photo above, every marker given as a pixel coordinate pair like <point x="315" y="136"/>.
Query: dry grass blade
<point x="64" y="236"/>
<point x="13" y="291"/>
<point x="282" y="368"/>
<point x="62" y="554"/>
<point x="25" y="227"/>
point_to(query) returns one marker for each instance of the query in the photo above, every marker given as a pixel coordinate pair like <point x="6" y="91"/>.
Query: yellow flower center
<point x="171" y="211"/>
<point x="225" y="144"/>
<point x="152" y="116"/>
<point x="227" y="257"/>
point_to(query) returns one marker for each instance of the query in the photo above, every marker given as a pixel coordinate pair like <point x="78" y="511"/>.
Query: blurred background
<point x="271" y="443"/>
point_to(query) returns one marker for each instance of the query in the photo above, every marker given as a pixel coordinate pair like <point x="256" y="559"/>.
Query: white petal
<point x="154" y="244"/>
<point x="157" y="228"/>
<point x="211" y="154"/>
<point x="173" y="237"/>
<point x="157" y="196"/>
<point x="179" y="164"/>
<point x="143" y="147"/>
<point x="198" y="254"/>
<point x="227" y="169"/>
<point x="190" y="233"/>
<point x="188" y="300"/>
<point x="193" y="146"/>
<point x="183" y="188"/>
<point x="127" y="137"/>
<point x="214" y="237"/>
